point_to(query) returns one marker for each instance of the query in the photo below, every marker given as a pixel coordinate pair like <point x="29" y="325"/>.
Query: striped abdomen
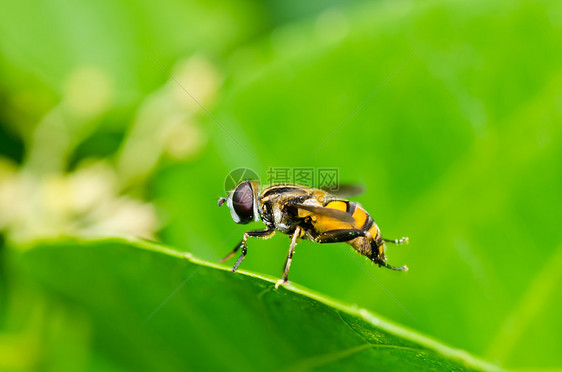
<point x="363" y="221"/>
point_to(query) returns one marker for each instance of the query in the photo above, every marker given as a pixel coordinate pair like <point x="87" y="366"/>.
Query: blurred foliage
<point x="448" y="112"/>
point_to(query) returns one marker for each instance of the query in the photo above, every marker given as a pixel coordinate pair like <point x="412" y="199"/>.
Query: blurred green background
<point x="448" y="112"/>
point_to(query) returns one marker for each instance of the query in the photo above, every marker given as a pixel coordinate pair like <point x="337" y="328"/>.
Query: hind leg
<point x="339" y="236"/>
<point x="403" y="240"/>
<point x="377" y="249"/>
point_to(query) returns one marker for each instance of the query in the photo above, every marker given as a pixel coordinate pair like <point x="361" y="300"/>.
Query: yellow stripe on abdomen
<point x="374" y="231"/>
<point x="360" y="216"/>
<point x="337" y="204"/>
<point x="325" y="223"/>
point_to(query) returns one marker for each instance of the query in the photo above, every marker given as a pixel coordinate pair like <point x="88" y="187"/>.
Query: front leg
<point x="268" y="233"/>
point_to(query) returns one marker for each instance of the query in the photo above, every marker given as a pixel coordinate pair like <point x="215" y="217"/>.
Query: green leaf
<point x="153" y="308"/>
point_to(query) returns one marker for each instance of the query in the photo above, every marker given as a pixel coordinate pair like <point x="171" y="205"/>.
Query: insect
<point x="305" y="213"/>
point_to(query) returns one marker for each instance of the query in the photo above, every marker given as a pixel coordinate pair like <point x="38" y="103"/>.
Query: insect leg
<point x="377" y="256"/>
<point x="294" y="238"/>
<point x="403" y="240"/>
<point x="384" y="264"/>
<point x="268" y="233"/>
<point x="229" y="256"/>
<point x="239" y="260"/>
<point x="338" y="236"/>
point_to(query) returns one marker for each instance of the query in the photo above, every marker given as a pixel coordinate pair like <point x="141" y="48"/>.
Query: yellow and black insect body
<point x="305" y="213"/>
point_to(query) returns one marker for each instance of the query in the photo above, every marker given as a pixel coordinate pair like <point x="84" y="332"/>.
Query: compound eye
<point x="243" y="202"/>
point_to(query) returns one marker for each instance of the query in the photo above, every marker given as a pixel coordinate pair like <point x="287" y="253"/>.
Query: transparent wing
<point x="328" y="212"/>
<point x="345" y="191"/>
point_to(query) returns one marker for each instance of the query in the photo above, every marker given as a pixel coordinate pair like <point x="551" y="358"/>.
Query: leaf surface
<point x="154" y="308"/>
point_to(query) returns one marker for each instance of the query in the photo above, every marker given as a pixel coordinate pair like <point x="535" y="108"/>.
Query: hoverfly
<point x="305" y="213"/>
